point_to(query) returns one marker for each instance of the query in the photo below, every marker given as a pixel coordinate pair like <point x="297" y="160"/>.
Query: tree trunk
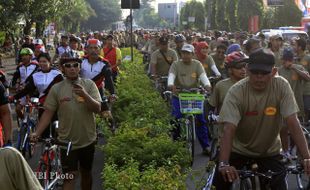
<point x="27" y="28"/>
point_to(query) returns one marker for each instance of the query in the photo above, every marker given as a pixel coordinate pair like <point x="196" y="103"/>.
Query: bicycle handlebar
<point x="51" y="141"/>
<point x="249" y="173"/>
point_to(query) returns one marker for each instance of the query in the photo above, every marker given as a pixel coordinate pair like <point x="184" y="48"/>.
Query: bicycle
<point x="302" y="181"/>
<point x="160" y="83"/>
<point x="191" y="103"/>
<point x="49" y="170"/>
<point x="213" y="133"/>
<point x="26" y="126"/>
<point x="209" y="176"/>
<point x="249" y="179"/>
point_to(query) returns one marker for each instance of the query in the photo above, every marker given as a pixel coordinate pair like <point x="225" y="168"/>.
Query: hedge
<point x="141" y="154"/>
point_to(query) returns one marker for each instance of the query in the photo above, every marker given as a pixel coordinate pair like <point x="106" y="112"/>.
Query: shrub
<point x="141" y="154"/>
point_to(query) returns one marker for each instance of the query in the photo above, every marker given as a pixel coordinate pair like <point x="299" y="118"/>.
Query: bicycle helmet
<point x="231" y="60"/>
<point x="26" y="51"/>
<point x="179" y="38"/>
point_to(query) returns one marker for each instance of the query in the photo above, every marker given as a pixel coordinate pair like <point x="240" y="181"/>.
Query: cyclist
<point x="296" y="75"/>
<point x="42" y="81"/>
<point x="179" y="40"/>
<point x="15" y="171"/>
<point x="63" y="48"/>
<point x="113" y="55"/>
<point x="162" y="58"/>
<point x="74" y="43"/>
<point x="201" y="52"/>
<point x="251" y="45"/>
<point x="251" y="113"/>
<point x="22" y="74"/>
<point x="75" y="100"/>
<point x="6" y="122"/>
<point x="304" y="60"/>
<point x="98" y="70"/>
<point x="219" y="59"/>
<point x="235" y="63"/>
<point x="186" y="73"/>
<point x="275" y="45"/>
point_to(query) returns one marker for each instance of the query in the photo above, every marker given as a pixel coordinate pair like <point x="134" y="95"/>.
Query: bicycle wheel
<point x="214" y="149"/>
<point x="190" y="127"/>
<point x="41" y="174"/>
<point x="302" y="181"/>
<point x="23" y="139"/>
<point x="246" y="184"/>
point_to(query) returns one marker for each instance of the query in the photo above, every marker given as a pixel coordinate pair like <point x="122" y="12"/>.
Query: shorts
<point x="79" y="158"/>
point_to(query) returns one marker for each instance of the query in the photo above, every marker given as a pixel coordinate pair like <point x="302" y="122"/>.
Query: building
<point x="169" y="12"/>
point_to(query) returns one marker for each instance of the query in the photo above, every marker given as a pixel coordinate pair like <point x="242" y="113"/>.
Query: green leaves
<point x="142" y="155"/>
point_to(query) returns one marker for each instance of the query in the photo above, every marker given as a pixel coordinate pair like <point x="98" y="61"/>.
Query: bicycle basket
<point x="191" y="103"/>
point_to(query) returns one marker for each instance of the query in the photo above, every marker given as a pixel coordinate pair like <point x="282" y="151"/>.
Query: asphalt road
<point x="198" y="168"/>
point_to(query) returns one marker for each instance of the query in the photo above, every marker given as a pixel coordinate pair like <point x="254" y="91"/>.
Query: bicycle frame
<point x="50" y="161"/>
<point x="27" y="126"/>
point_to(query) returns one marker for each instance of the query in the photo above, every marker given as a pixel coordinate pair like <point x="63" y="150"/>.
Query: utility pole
<point x="131" y="45"/>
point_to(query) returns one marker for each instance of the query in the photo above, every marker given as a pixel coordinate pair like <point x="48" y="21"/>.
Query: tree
<point x="194" y="9"/>
<point x="221" y="19"/>
<point x="146" y="16"/>
<point x="107" y="12"/>
<point x="80" y="12"/>
<point x="287" y="15"/>
<point x="247" y="9"/>
<point x="231" y="14"/>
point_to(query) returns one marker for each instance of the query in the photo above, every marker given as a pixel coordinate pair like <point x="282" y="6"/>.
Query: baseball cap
<point x="261" y="60"/>
<point x="93" y="41"/>
<point x="188" y="47"/>
<point x="163" y="40"/>
<point x="288" y="54"/>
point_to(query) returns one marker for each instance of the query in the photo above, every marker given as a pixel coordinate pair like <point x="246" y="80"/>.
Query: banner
<point x="253" y="24"/>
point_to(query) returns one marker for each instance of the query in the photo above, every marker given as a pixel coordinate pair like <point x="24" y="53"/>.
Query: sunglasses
<point x="220" y="52"/>
<point x="68" y="65"/>
<point x="259" y="72"/>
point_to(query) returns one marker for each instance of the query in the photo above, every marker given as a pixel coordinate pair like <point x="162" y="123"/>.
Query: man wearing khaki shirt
<point x="251" y="113"/>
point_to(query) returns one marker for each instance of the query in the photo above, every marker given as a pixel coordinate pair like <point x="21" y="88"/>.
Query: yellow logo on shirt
<point x="205" y="66"/>
<point x="270" y="111"/>
<point x="194" y="75"/>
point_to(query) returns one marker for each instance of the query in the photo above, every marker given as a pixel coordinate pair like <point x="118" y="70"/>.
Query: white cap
<point x="188" y="47"/>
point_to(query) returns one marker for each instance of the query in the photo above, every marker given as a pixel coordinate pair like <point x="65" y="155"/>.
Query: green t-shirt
<point x="296" y="83"/>
<point x="76" y="121"/>
<point x="219" y="92"/>
<point x="161" y="65"/>
<point x="207" y="64"/>
<point x="187" y="75"/>
<point x="278" y="57"/>
<point x="257" y="116"/>
<point x="305" y="61"/>
<point x="15" y="171"/>
<point x="220" y="64"/>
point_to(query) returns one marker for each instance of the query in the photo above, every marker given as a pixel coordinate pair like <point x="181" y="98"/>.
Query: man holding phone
<point x="76" y="101"/>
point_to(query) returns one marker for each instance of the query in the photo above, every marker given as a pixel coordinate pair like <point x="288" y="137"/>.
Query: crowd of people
<point x="263" y="92"/>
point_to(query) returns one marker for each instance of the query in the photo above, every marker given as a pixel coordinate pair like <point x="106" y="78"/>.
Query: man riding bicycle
<point x="185" y="74"/>
<point x="251" y="113"/>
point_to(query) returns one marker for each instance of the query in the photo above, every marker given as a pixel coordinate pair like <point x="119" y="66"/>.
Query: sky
<point x="154" y="4"/>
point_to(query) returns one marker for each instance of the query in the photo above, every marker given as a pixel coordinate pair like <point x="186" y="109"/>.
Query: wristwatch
<point x="223" y="164"/>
